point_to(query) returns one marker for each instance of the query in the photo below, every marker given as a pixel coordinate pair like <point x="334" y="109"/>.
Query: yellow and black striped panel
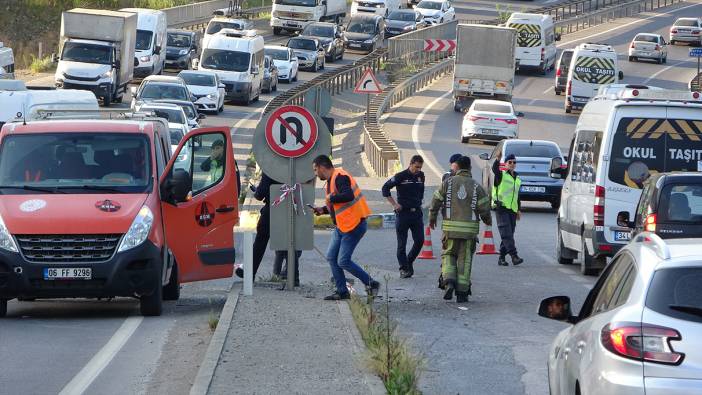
<point x="528" y="35"/>
<point x="676" y="129"/>
<point x="594" y="70"/>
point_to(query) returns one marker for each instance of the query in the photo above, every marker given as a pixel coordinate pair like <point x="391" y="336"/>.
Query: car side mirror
<point x="157" y="50"/>
<point x="116" y="65"/>
<point x="254" y="70"/>
<point x="558" y="37"/>
<point x="201" y="116"/>
<point x="176" y="187"/>
<point x="557" y="308"/>
<point x="520" y="114"/>
<point x="484" y="156"/>
<point x="623" y="220"/>
<point x="621" y="75"/>
<point x="556" y="167"/>
<point x="54" y="58"/>
<point x="133" y="91"/>
<point x="323" y="2"/>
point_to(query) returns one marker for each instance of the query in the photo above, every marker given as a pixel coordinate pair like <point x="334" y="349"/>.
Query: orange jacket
<point x="349" y="214"/>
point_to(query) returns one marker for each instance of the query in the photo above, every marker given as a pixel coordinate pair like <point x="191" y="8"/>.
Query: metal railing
<point x="604" y="15"/>
<point x="196" y="16"/>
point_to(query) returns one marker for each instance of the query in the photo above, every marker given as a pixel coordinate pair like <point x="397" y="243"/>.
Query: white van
<point x="7" y="62"/>
<point x="591" y="66"/>
<point x="619" y="142"/>
<point x="150" y="41"/>
<point x="536" y="40"/>
<point x="380" y="7"/>
<point x="237" y="57"/>
<point x="25" y="104"/>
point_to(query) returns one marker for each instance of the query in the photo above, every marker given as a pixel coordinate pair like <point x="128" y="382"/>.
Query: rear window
<point x="594" y="70"/>
<point x="535" y="150"/>
<point x="528" y="35"/>
<point x="677" y="293"/>
<point x="686" y="22"/>
<point x="646" y="38"/>
<point x="681" y="203"/>
<point x="565" y="60"/>
<point x="644" y="146"/>
<point x="489" y="107"/>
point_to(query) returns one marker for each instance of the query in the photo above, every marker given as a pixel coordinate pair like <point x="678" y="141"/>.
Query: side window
<point x="644" y="201"/>
<point x="160" y="158"/>
<point x="608" y="291"/>
<point x="627" y="284"/>
<point x="586" y="156"/>
<point x="210" y="171"/>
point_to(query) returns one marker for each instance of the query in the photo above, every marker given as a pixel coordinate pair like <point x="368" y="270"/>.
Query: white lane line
<point x="415" y="135"/>
<point x="628" y="24"/>
<point x="657" y="73"/>
<point x="95" y="366"/>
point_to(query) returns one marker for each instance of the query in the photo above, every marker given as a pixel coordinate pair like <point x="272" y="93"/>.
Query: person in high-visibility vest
<point x="505" y="198"/>
<point x="466" y="203"/>
<point x="348" y="209"/>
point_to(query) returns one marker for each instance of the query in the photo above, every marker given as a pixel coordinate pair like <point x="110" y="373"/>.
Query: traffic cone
<point x="427" y="252"/>
<point x="487" y="247"/>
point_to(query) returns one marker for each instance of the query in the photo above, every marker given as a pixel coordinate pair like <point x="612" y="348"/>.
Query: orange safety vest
<point x="348" y="215"/>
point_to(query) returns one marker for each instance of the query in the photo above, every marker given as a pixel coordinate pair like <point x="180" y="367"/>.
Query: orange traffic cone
<point x="487" y="247"/>
<point x="427" y="252"/>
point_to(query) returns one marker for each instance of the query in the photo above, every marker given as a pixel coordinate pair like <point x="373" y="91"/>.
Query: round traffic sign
<point x="291" y="131"/>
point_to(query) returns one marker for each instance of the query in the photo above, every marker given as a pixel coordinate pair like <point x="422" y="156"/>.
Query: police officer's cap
<point x="510" y="157"/>
<point x="455" y="158"/>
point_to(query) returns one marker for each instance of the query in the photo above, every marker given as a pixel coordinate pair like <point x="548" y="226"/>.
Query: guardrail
<point x="196" y="16"/>
<point x="620" y="10"/>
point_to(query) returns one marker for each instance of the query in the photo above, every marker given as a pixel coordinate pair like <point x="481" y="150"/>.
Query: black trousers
<point x="506" y="224"/>
<point x="279" y="269"/>
<point x="405" y="221"/>
<point x="263" y="233"/>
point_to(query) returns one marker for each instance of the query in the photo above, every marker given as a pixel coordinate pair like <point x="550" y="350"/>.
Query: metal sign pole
<point x="367" y="107"/>
<point x="292" y="257"/>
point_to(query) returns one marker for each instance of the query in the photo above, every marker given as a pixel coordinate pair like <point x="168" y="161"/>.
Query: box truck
<point x="295" y="15"/>
<point x="485" y="64"/>
<point x="97" y="52"/>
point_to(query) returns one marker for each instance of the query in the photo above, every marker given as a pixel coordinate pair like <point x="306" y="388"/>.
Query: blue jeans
<point x="339" y="254"/>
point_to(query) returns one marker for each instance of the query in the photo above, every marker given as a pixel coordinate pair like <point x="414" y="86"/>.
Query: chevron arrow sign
<point x="439" y="45"/>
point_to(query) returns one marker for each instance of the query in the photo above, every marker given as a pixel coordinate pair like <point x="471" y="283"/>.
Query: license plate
<point x="533" y="189"/>
<point x="68" y="273"/>
<point x="355" y="45"/>
<point x="490" y="131"/>
<point x="622" y="236"/>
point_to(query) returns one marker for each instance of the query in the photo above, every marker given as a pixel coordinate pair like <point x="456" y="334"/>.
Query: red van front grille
<point x="67" y="248"/>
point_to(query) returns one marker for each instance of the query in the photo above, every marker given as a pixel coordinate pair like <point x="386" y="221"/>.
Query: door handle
<point x="225" y="209"/>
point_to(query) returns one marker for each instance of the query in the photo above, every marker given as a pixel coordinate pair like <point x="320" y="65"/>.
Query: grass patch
<point x="41" y="65"/>
<point x="272" y="278"/>
<point x="255" y="3"/>
<point x="389" y="356"/>
<point x="212" y="321"/>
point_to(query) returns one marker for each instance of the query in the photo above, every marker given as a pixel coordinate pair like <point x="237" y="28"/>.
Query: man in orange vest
<point x="348" y="209"/>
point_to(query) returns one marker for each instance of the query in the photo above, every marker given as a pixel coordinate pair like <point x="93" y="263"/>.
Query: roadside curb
<point x="214" y="350"/>
<point x="374" y="383"/>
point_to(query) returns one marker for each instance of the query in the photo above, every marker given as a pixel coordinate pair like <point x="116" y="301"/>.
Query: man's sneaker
<point x="516" y="260"/>
<point x="373" y="288"/>
<point x="502" y="261"/>
<point x="338" y="296"/>
<point x="405" y="273"/>
<point x="448" y="295"/>
<point x="461" y="297"/>
<point x="239" y="272"/>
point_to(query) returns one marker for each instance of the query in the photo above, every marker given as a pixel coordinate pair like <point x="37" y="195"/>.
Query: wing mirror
<point x="157" y="50"/>
<point x="484" y="156"/>
<point x="623" y="220"/>
<point x="557" y="308"/>
<point x="176" y="187"/>
<point x="54" y="58"/>
<point x="520" y="114"/>
<point x="556" y="168"/>
<point x="558" y="37"/>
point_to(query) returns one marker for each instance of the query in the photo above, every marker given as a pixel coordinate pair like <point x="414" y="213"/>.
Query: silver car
<point x="309" y="52"/>
<point x="687" y="30"/>
<point x="648" y="46"/>
<point x="639" y="330"/>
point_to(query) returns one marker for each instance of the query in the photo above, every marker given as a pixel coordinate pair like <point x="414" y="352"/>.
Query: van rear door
<point x="199" y="220"/>
<point x="592" y="71"/>
<point x="529" y="43"/>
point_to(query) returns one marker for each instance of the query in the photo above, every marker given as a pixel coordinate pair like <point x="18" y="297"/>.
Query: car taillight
<point x="507" y="121"/>
<point x="650" y="223"/>
<point x="632" y="45"/>
<point x="558" y="72"/>
<point x="598" y="210"/>
<point x="569" y="91"/>
<point x="695" y="32"/>
<point x="674" y="31"/>
<point x="658" y="47"/>
<point x="503" y="166"/>
<point x="650" y="343"/>
<point x="476" y="118"/>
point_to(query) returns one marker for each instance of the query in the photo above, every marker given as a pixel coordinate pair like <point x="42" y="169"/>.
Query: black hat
<point x="455" y="158"/>
<point x="510" y="157"/>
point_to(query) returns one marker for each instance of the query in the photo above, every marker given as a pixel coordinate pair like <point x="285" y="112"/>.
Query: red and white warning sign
<point x="291" y="131"/>
<point x="368" y="83"/>
<point x="439" y="45"/>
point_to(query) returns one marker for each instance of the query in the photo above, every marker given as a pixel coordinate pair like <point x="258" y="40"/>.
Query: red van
<point x="99" y="208"/>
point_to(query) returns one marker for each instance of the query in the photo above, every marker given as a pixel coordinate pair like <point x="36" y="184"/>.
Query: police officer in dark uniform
<point x="408" y="212"/>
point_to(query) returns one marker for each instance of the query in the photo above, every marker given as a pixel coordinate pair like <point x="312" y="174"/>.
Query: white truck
<point x="295" y="15"/>
<point x="7" y="62"/>
<point x="485" y="64"/>
<point x="97" y="52"/>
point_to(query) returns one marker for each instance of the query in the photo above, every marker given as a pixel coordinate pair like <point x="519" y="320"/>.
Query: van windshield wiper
<point x="95" y="188"/>
<point x="687" y="309"/>
<point x="32" y="188"/>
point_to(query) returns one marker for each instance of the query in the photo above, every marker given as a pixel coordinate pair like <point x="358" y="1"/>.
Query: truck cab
<point x="7" y="62"/>
<point x="151" y="41"/>
<point x="99" y="208"/>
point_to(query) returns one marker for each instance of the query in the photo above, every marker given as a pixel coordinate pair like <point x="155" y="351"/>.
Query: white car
<point x="436" y="11"/>
<point x="285" y="60"/>
<point x="173" y="113"/>
<point x="648" y="46"/>
<point x="490" y="120"/>
<point x="638" y="331"/>
<point x="207" y="89"/>
<point x="160" y="87"/>
<point x="218" y="23"/>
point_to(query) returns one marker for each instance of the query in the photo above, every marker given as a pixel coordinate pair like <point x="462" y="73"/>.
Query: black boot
<point x="450" y="286"/>
<point x="502" y="261"/>
<point x="373" y="288"/>
<point x="441" y="281"/>
<point x="516" y="260"/>
<point x="338" y="296"/>
<point x="239" y="272"/>
<point x="461" y="297"/>
<point x="405" y="273"/>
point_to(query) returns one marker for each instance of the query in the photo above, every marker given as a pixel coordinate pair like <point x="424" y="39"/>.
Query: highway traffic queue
<point x="628" y="196"/>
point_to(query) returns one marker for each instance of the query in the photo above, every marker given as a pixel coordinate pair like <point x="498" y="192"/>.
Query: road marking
<point x="657" y="73"/>
<point x="415" y="135"/>
<point x="628" y="24"/>
<point x="549" y="90"/>
<point x="95" y="366"/>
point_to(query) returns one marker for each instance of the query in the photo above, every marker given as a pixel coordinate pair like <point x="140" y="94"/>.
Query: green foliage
<point x="41" y="65"/>
<point x="503" y="13"/>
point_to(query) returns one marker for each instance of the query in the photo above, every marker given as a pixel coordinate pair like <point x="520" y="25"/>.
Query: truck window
<point x="87" y="53"/>
<point x="594" y="70"/>
<point x="144" y="39"/>
<point x="219" y="59"/>
<point x="644" y="146"/>
<point x="304" y="3"/>
<point x="586" y="156"/>
<point x="528" y="35"/>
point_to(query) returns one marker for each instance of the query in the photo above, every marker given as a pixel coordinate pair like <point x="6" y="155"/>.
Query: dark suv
<point x="562" y="71"/>
<point x="670" y="206"/>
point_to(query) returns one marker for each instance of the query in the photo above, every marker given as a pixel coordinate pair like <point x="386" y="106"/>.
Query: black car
<point x="329" y="35"/>
<point x="562" y="70"/>
<point x="181" y="47"/>
<point x="540" y="165"/>
<point x="365" y="32"/>
<point x="670" y="206"/>
<point x="403" y="21"/>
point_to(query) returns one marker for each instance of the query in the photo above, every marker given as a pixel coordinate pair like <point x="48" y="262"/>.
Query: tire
<point x="465" y="140"/>
<point x="558" y="92"/>
<point x="107" y="100"/>
<point x="543" y="70"/>
<point x="568" y="110"/>
<point x="587" y="261"/>
<point x="277" y="31"/>
<point x="556" y="204"/>
<point x="659" y="60"/>
<point x="561" y="250"/>
<point x="315" y="67"/>
<point x="295" y="79"/>
<point x="118" y="99"/>
<point x="3" y="308"/>
<point x="152" y="305"/>
<point x="221" y="108"/>
<point x="631" y="58"/>
<point x="171" y="291"/>
<point x="456" y="108"/>
<point x="672" y="42"/>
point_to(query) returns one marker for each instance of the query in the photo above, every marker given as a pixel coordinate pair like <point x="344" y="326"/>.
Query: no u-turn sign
<point x="291" y="131"/>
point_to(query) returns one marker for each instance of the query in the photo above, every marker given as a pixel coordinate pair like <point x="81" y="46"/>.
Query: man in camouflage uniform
<point x="465" y="201"/>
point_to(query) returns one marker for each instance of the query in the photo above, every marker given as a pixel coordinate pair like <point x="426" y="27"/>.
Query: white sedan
<point x="207" y="89"/>
<point x="490" y="120"/>
<point x="648" y="46"/>
<point x="436" y="11"/>
<point x="285" y="60"/>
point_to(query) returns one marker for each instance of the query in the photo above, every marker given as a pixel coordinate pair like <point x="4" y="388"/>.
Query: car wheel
<point x="119" y="98"/>
<point x="465" y="140"/>
<point x="152" y="305"/>
<point x="3" y="307"/>
<point x="315" y="67"/>
<point x="277" y="31"/>
<point x="587" y="261"/>
<point x="558" y="92"/>
<point x="171" y="291"/>
<point x="295" y="79"/>
<point x="659" y="60"/>
<point x="107" y="100"/>
<point x="221" y="107"/>
<point x="672" y="42"/>
<point x="631" y="58"/>
<point x="568" y="110"/>
<point x="562" y="253"/>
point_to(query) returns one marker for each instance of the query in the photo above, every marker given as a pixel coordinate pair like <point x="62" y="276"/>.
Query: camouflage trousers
<point x="456" y="261"/>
